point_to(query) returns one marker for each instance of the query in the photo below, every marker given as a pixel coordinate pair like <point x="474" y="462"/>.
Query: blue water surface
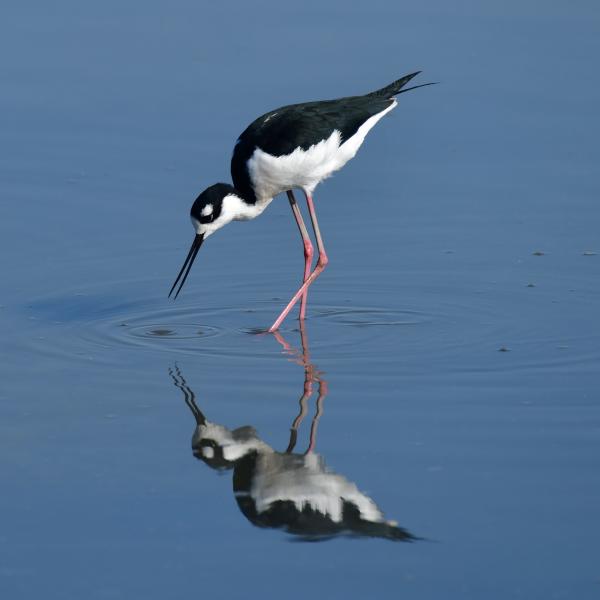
<point x="454" y="337"/>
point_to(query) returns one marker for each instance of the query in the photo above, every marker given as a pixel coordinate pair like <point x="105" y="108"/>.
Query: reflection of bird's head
<point x="220" y="448"/>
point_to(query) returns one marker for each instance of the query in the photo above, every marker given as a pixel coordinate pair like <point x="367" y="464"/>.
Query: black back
<point x="281" y="131"/>
<point x="307" y="521"/>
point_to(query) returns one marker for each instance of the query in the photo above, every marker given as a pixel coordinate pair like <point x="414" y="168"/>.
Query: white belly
<point x="305" y="169"/>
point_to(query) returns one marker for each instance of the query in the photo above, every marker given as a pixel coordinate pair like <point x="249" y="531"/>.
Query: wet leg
<point x="321" y="263"/>
<point x="308" y="248"/>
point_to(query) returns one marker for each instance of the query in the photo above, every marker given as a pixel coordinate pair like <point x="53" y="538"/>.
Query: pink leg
<point x="321" y="263"/>
<point x="308" y="248"/>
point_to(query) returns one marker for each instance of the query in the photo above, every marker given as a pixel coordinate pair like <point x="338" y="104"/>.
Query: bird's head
<point x="220" y="448"/>
<point x="213" y="208"/>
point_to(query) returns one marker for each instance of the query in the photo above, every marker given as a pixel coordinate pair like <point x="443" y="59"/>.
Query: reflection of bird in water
<point x="286" y="490"/>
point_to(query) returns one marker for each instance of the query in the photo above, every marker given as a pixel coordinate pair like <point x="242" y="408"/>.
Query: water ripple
<point x="457" y="332"/>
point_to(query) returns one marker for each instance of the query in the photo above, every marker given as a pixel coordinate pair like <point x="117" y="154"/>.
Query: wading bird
<point x="292" y="147"/>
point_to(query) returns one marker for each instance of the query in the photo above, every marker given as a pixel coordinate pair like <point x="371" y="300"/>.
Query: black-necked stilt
<point x="287" y="490"/>
<point x="294" y="146"/>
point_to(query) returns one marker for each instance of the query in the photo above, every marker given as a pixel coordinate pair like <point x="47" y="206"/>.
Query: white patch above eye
<point x="208" y="452"/>
<point x="207" y="210"/>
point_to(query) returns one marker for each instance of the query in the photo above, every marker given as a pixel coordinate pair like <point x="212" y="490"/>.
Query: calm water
<point x="453" y="344"/>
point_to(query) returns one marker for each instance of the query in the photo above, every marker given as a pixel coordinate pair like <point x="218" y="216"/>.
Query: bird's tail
<point x="396" y="87"/>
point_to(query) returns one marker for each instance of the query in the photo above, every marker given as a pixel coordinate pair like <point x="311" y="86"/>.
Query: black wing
<point x="281" y="131"/>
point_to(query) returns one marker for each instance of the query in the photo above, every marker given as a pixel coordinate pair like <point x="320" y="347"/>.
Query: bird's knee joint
<point x="308" y="249"/>
<point x="323" y="260"/>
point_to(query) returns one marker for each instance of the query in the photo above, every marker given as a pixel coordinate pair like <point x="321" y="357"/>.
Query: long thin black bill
<point x="414" y="87"/>
<point x="189" y="261"/>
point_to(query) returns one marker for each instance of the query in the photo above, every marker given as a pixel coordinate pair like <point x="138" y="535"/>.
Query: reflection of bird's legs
<point x="318" y="377"/>
<point x="306" y="392"/>
<point x="188" y="395"/>
<point x="315" y="422"/>
<point x="302" y="358"/>
<point x="311" y="375"/>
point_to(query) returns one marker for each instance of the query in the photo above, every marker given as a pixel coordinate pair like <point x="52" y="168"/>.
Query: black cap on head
<point x="207" y="206"/>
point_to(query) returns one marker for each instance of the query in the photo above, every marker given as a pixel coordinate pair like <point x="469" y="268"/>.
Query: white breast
<point x="305" y="169"/>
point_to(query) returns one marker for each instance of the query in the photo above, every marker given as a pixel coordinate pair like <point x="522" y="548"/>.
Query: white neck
<point x="236" y="209"/>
